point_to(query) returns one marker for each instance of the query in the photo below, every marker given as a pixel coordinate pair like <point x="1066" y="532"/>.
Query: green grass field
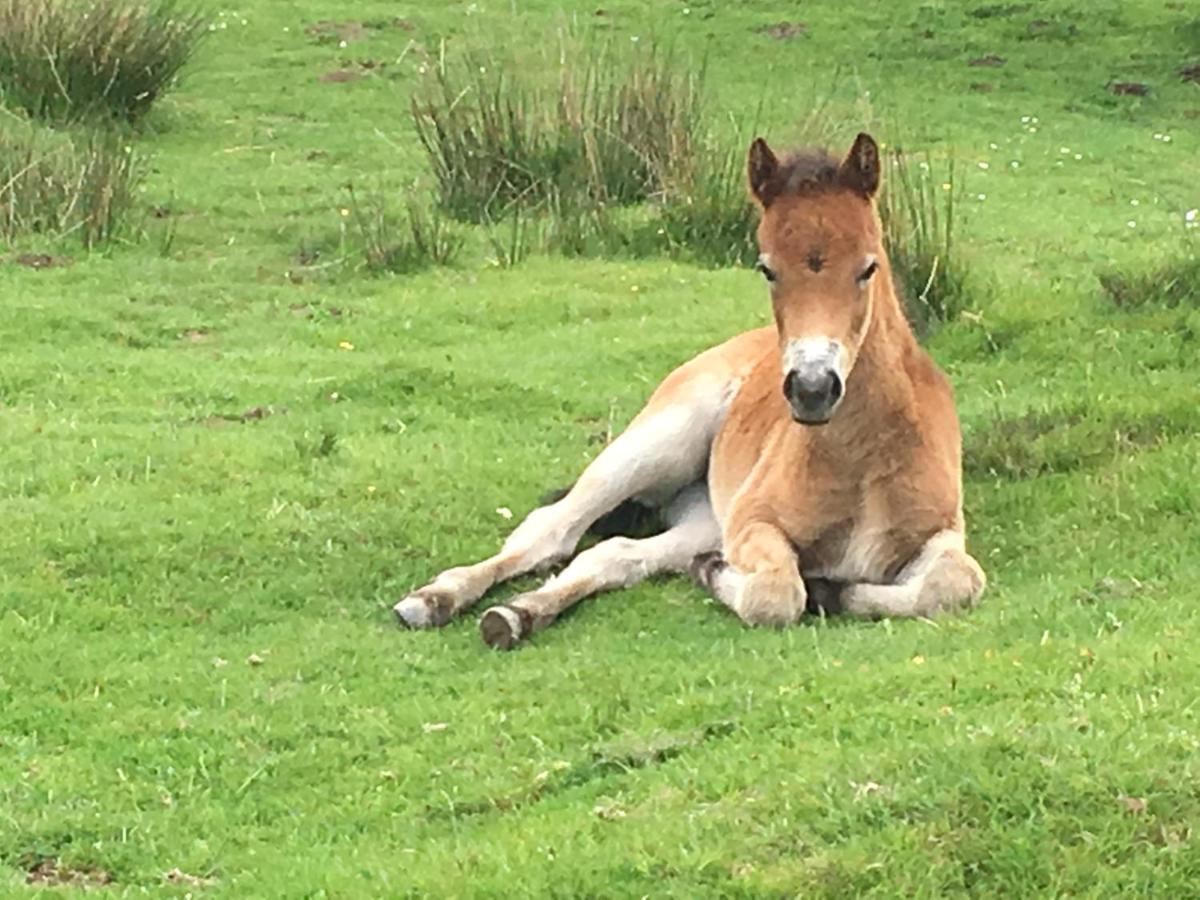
<point x="225" y="452"/>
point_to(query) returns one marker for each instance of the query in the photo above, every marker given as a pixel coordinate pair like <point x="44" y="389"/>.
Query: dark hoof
<point x="502" y="628"/>
<point x="705" y="568"/>
<point x="824" y="597"/>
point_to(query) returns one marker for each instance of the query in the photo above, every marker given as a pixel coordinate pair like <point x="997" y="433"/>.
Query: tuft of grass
<point x="1047" y="442"/>
<point x="64" y="60"/>
<point x="604" y="135"/>
<point x="510" y="241"/>
<point x="707" y="215"/>
<point x="418" y="239"/>
<point x="56" y="186"/>
<point x="1169" y="283"/>
<point x="917" y="207"/>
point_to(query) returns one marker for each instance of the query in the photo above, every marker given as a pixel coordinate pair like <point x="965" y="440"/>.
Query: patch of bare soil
<point x="304" y="311"/>
<point x="41" y="261"/>
<point x="179" y="877"/>
<point x="330" y="32"/>
<point x="783" y="31"/>
<point x="1129" y="88"/>
<point x="341" y="76"/>
<point x="52" y="873"/>
<point x="990" y="60"/>
<point x="253" y="414"/>
<point x="1191" y="73"/>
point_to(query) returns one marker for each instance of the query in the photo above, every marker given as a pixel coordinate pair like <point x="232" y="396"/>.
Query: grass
<point x="65" y="60"/>
<point x="615" y="123"/>
<point x="707" y="215"/>
<point x="423" y="237"/>
<point x="917" y="207"/>
<point x="1170" y="282"/>
<point x="217" y="477"/>
<point x="57" y="186"/>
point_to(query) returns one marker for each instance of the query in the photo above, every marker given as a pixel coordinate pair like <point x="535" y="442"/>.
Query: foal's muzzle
<point x="813" y="394"/>
<point x="814" y="378"/>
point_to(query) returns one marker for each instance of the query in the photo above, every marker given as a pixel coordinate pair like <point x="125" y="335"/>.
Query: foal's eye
<point x="767" y="272"/>
<point x="866" y="273"/>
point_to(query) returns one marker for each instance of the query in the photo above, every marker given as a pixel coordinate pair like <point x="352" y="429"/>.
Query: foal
<point x="826" y="446"/>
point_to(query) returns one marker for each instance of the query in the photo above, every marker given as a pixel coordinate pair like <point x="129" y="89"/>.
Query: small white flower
<point x="1133" y="202"/>
<point x="983" y="165"/>
<point x="1032" y="129"/>
<point x="1191" y="214"/>
<point x="1024" y="120"/>
<point x="1166" y="139"/>
<point x="1079" y="156"/>
<point x="981" y="196"/>
<point x="1157" y="136"/>
<point x="1015" y="164"/>
<point x="993" y="147"/>
<point x="1064" y="149"/>
<point x="1131" y="223"/>
<point x="1033" y="119"/>
<point x="504" y="512"/>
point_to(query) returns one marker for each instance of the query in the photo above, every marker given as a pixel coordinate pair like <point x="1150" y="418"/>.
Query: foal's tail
<point x="629" y="519"/>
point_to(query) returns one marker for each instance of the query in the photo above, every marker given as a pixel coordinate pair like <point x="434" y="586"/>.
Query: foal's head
<point x="820" y="250"/>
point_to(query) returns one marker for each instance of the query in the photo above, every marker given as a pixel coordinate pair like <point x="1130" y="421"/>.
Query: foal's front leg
<point x="758" y="577"/>
<point x="942" y="578"/>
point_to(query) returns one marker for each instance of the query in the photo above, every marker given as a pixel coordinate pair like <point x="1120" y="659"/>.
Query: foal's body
<point x="761" y="486"/>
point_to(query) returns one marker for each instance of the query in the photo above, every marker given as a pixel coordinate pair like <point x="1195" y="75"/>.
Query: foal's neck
<point x="879" y="391"/>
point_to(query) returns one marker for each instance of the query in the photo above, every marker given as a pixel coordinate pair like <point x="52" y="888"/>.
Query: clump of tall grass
<point x="56" y="186"/>
<point x="417" y="239"/>
<point x="602" y="135"/>
<point x="917" y="206"/>
<point x="65" y="60"/>
<point x="706" y="214"/>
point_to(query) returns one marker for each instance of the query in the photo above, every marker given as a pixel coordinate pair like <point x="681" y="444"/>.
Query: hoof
<point x="502" y="628"/>
<point x="423" y="610"/>
<point x="706" y="567"/>
<point x="771" y="601"/>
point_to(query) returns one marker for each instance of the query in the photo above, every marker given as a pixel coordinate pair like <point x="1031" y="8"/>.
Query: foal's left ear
<point x="859" y="171"/>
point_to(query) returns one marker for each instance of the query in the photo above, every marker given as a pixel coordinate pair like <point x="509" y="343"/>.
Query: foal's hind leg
<point x="615" y="563"/>
<point x="943" y="577"/>
<point x="664" y="449"/>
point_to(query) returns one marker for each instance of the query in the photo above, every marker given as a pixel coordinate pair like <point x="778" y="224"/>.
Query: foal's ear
<point x="762" y="167"/>
<point x="859" y="171"/>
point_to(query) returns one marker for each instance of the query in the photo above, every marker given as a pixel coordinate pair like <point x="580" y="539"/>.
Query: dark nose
<point x="812" y="394"/>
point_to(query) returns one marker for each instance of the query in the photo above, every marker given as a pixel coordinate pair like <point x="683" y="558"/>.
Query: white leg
<point x="616" y="563"/>
<point x="664" y="450"/>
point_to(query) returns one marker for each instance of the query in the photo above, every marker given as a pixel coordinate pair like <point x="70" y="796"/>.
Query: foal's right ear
<point x="762" y="167"/>
<point x="859" y="171"/>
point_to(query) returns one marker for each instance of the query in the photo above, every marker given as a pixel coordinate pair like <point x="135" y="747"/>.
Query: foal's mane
<point x="806" y="171"/>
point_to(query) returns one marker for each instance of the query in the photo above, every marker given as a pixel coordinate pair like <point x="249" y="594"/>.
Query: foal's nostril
<point x="835" y="387"/>
<point x="789" y="384"/>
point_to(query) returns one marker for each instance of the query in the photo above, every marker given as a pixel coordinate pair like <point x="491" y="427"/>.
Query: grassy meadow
<point x="227" y="446"/>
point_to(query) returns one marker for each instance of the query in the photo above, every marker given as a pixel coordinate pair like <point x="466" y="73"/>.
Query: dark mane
<point x="806" y="171"/>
